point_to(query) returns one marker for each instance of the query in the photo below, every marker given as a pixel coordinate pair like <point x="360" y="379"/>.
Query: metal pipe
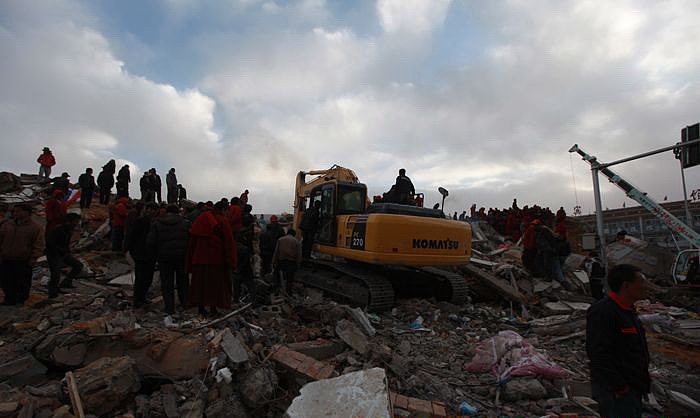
<point x="599" y="217"/>
<point x="688" y="219"/>
<point x="646" y="154"/>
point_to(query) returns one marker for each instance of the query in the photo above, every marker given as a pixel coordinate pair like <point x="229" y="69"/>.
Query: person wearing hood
<point x="171" y="184"/>
<point x="141" y="252"/>
<point x="55" y="210"/>
<point x="123" y="180"/>
<point x="168" y="238"/>
<point x="105" y="181"/>
<point x="46" y="160"/>
<point x="211" y="257"/>
<point x="119" y="215"/>
<point x="58" y="254"/>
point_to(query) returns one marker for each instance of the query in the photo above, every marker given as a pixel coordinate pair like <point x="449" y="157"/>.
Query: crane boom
<point x="673" y="223"/>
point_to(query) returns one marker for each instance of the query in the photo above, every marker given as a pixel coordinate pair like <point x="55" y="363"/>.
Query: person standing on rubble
<point x="157" y="185"/>
<point x="309" y="226"/>
<point x="404" y="187"/>
<point x="211" y="257"/>
<point x="244" y="198"/>
<point x="181" y="194"/>
<point x="46" y="160"/>
<point x="141" y="252"/>
<point x="168" y="239"/>
<point x="244" y="246"/>
<point x="268" y="242"/>
<point x="86" y="181"/>
<point x="55" y="210"/>
<point x="58" y="255"/>
<point x="118" y="219"/>
<point x="286" y="260"/>
<point x="105" y="181"/>
<point x="147" y="187"/>
<point x="529" y="255"/>
<point x="123" y="180"/>
<point x="616" y="345"/>
<point x="21" y="243"/>
<point x="171" y="184"/>
<point x="62" y="183"/>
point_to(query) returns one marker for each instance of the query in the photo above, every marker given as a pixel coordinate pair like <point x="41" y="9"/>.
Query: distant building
<point x="639" y="222"/>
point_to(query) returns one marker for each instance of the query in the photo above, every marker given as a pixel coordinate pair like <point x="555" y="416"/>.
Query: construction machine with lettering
<point x="366" y="252"/>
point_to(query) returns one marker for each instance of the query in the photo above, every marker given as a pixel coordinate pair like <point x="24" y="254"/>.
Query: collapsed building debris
<point x="88" y="353"/>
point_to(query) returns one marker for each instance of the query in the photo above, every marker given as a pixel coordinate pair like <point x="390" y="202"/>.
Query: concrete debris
<point x="25" y="370"/>
<point x="359" y="394"/>
<point x="524" y="388"/>
<point x="105" y="383"/>
<point x="352" y="336"/>
<point x="258" y="387"/>
<point x="233" y="348"/>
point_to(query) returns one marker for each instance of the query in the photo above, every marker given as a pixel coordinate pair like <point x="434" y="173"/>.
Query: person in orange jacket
<point x="46" y="160"/>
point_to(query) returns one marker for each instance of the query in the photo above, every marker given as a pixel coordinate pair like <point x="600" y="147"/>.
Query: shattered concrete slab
<point x="352" y="336"/>
<point x="233" y="348"/>
<point x="358" y="394"/>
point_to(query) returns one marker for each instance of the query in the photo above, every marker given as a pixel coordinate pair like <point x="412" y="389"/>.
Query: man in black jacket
<point x="144" y="258"/>
<point x="617" y="347"/>
<point x="168" y="239"/>
<point x="58" y="254"/>
<point x="123" y="180"/>
<point x="86" y="181"/>
<point x="171" y="184"/>
<point x="268" y="242"/>
<point x="404" y="187"/>
<point x="157" y="184"/>
<point x="105" y="181"/>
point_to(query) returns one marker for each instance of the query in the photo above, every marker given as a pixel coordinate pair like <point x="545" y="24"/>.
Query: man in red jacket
<point x="55" y="209"/>
<point x="46" y="160"/>
<point x="121" y="211"/>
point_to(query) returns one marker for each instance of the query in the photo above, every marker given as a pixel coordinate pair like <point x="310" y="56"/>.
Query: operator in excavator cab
<point x="404" y="188"/>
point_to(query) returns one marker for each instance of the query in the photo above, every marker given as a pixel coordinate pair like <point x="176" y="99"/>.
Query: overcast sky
<point x="483" y="98"/>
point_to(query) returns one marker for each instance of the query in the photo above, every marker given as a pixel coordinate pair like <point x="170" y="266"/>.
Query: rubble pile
<point x="516" y="349"/>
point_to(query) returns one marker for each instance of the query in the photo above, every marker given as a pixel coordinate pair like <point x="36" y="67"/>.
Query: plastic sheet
<point x="508" y="354"/>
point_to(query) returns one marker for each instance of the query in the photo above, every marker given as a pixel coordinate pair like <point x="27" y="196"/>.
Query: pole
<point x="599" y="217"/>
<point x="688" y="219"/>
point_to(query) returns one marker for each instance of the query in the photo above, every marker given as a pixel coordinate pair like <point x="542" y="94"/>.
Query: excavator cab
<point x="337" y="198"/>
<point x="685" y="268"/>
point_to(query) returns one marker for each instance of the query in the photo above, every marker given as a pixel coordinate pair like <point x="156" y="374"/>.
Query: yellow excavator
<point x="366" y="252"/>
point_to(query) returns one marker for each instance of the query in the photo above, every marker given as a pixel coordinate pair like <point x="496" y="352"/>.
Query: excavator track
<point x="456" y="285"/>
<point x="374" y="287"/>
<point x="358" y="285"/>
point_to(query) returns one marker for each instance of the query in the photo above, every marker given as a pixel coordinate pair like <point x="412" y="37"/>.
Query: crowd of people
<point x="204" y="252"/>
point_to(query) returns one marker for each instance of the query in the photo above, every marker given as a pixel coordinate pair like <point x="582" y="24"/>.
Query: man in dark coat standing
<point x="268" y="242"/>
<point x="123" y="180"/>
<point x="171" y="184"/>
<point x="105" y="181"/>
<point x="309" y="226"/>
<point x="404" y="187"/>
<point x="617" y="347"/>
<point x="144" y="258"/>
<point x="86" y="181"/>
<point x="157" y="184"/>
<point x="168" y="239"/>
<point x="58" y="254"/>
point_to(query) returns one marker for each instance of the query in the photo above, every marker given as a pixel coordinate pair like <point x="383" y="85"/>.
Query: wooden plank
<point x="74" y="396"/>
<point x="495" y="283"/>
